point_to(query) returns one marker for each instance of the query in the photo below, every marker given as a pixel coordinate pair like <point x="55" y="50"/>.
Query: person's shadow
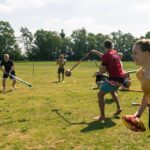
<point x="65" y="119"/>
<point x="97" y="125"/>
<point x="109" y="101"/>
<point x="91" y="126"/>
<point x="54" y="81"/>
<point x="9" y="91"/>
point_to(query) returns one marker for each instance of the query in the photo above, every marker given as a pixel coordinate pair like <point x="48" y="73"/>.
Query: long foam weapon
<point x="22" y="81"/>
<point x="132" y="71"/>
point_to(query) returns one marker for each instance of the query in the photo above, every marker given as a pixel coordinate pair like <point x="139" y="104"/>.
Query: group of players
<point x="117" y="77"/>
<point x="112" y="65"/>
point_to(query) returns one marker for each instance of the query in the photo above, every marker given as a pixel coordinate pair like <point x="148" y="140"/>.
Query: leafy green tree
<point x="123" y="43"/>
<point x="147" y="35"/>
<point x="100" y="38"/>
<point x="45" y="44"/>
<point x="8" y="42"/>
<point x="79" y="40"/>
<point x="91" y="41"/>
<point x="116" y="38"/>
<point x="27" y="40"/>
<point x="62" y="34"/>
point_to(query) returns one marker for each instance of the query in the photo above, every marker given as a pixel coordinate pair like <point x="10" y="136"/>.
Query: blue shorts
<point x="107" y="87"/>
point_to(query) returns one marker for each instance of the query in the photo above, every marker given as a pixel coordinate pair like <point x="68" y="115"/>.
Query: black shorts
<point x="61" y="70"/>
<point x="126" y="84"/>
<point x="100" y="77"/>
<point x="117" y="79"/>
<point x="6" y="75"/>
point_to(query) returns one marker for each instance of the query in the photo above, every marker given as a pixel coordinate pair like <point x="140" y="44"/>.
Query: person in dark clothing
<point x="7" y="71"/>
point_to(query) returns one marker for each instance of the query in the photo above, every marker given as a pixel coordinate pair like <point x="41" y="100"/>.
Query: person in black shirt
<point x="7" y="70"/>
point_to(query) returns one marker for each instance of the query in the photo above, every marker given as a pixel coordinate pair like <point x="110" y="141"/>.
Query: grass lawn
<point x="59" y="116"/>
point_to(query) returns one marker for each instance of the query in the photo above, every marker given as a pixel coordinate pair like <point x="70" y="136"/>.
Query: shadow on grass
<point x="116" y="117"/>
<point x="97" y="125"/>
<point x="94" y="125"/>
<point x="66" y="120"/>
<point x="109" y="101"/>
<point x="54" y="81"/>
<point x="9" y="91"/>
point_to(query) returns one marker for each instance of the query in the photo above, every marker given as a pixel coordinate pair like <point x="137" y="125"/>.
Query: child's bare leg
<point x="4" y="84"/>
<point x="62" y="76"/>
<point x="58" y="77"/>
<point x="116" y="99"/>
<point x="13" y="84"/>
<point x="101" y="106"/>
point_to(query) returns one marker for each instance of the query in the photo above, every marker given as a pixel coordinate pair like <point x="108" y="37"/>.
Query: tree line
<point x="46" y="45"/>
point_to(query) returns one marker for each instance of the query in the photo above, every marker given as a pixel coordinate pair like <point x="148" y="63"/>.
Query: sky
<point x="96" y="16"/>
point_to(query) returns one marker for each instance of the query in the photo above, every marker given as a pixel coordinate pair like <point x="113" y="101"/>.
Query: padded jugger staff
<point x="22" y="81"/>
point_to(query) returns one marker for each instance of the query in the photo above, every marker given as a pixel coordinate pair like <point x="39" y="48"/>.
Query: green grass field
<point x="59" y="116"/>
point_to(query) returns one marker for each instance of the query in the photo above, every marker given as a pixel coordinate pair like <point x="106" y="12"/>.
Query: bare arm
<point x="103" y="69"/>
<point x="142" y="107"/>
<point x="97" y="53"/>
<point x="64" y="62"/>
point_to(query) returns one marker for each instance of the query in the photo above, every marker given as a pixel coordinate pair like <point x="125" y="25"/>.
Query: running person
<point x="61" y="62"/>
<point x="7" y="70"/>
<point x="111" y="64"/>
